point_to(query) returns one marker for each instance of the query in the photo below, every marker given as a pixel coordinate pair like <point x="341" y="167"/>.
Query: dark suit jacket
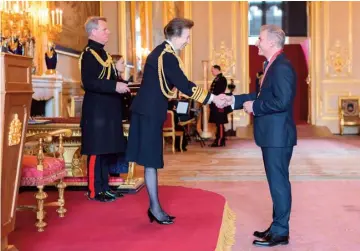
<point x="149" y="100"/>
<point x="101" y="121"/>
<point x="274" y="124"/>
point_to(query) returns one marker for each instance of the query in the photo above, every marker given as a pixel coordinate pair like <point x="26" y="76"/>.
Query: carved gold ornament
<point x="15" y="131"/>
<point x="338" y="60"/>
<point x="225" y="59"/>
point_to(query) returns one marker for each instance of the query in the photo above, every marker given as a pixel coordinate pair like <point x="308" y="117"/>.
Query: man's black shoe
<point x="271" y="241"/>
<point x="215" y="144"/>
<point x="113" y="193"/>
<point x="263" y="234"/>
<point x="102" y="197"/>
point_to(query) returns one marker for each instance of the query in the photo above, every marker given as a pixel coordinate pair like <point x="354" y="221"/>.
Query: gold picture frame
<point x="349" y="105"/>
<point x="349" y="114"/>
<point x="73" y="37"/>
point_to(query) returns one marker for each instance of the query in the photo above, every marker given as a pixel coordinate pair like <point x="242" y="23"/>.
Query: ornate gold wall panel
<point x="188" y="48"/>
<point x="122" y="29"/>
<point x="338" y="40"/>
<point x="333" y="70"/>
<point x="169" y="11"/>
<point x="223" y="30"/>
<point x="331" y="101"/>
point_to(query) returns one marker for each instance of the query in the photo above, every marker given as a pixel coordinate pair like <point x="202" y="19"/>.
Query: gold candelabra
<point x="51" y="22"/>
<point x="16" y="25"/>
<point x="23" y="21"/>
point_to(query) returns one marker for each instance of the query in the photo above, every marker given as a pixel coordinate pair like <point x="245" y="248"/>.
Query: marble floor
<point x="325" y="176"/>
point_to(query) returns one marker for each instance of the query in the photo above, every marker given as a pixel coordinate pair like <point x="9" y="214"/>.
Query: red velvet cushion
<point x="53" y="169"/>
<point x="168" y="122"/>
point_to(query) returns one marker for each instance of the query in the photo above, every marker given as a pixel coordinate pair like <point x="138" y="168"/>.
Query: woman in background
<point x="119" y="63"/>
<point x="118" y="164"/>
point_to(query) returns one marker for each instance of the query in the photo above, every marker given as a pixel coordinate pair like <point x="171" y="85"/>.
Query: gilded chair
<point x="170" y="131"/>
<point x="349" y="112"/>
<point x="40" y="169"/>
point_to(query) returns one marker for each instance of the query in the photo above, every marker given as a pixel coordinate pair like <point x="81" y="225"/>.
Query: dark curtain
<point x="295" y="54"/>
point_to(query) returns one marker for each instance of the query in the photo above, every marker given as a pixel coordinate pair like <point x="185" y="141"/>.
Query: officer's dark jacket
<point x="101" y="121"/>
<point x="162" y="72"/>
<point x="218" y="115"/>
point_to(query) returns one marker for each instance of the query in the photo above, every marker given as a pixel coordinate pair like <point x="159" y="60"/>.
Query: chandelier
<point x="23" y="21"/>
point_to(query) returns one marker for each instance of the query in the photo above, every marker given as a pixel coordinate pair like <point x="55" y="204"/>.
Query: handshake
<point x="224" y="100"/>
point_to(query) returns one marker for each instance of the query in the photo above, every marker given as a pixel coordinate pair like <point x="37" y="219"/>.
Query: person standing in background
<point x="218" y="116"/>
<point x="101" y="120"/>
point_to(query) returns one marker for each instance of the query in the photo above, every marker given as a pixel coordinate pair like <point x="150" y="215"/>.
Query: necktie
<point x="265" y="64"/>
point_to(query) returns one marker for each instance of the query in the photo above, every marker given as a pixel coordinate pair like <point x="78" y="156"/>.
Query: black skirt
<point x="219" y="116"/>
<point x="145" y="141"/>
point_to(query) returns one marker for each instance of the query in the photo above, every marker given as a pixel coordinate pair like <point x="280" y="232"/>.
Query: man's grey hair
<point x="92" y="23"/>
<point x="276" y="34"/>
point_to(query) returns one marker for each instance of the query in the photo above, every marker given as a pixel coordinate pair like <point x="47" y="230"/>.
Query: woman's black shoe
<point x="171" y="217"/>
<point x="168" y="221"/>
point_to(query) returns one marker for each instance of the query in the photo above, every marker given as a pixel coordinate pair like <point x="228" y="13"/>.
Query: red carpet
<point x="123" y="224"/>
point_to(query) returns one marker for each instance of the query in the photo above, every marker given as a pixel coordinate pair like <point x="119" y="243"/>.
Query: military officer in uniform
<point x="101" y="121"/>
<point x="163" y="71"/>
<point x="218" y="116"/>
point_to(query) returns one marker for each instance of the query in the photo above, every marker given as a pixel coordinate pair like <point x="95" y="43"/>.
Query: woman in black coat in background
<point x="119" y="63"/>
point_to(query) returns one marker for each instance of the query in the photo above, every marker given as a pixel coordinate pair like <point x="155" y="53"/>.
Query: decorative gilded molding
<point x="234" y="32"/>
<point x="143" y="25"/>
<point x="243" y="60"/>
<point x="338" y="58"/>
<point x="316" y="61"/>
<point x="68" y="54"/>
<point x="244" y="46"/>
<point x="148" y="16"/>
<point x="331" y="93"/>
<point x="15" y="129"/>
<point x="169" y="11"/>
<point x="340" y="81"/>
<point x="338" y="61"/>
<point x="211" y="28"/>
<point x="122" y="29"/>
<point x="188" y="49"/>
<point x="225" y="58"/>
<point x="350" y="16"/>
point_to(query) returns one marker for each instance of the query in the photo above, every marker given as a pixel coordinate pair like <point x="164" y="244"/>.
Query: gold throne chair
<point x="349" y="112"/>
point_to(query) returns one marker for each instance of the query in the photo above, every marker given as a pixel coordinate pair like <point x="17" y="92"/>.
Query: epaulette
<point x="168" y="93"/>
<point x="107" y="65"/>
<point x="198" y="93"/>
<point x="80" y="58"/>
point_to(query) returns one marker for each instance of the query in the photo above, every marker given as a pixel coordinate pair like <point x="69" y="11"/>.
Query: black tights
<point x="151" y="181"/>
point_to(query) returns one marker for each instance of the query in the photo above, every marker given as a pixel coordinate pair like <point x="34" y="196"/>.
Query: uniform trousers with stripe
<point x="98" y="172"/>
<point x="220" y="133"/>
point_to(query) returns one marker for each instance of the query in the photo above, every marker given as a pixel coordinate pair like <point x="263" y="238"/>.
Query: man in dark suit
<point x="218" y="116"/>
<point x="162" y="73"/>
<point x="101" y="121"/>
<point x="274" y="129"/>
